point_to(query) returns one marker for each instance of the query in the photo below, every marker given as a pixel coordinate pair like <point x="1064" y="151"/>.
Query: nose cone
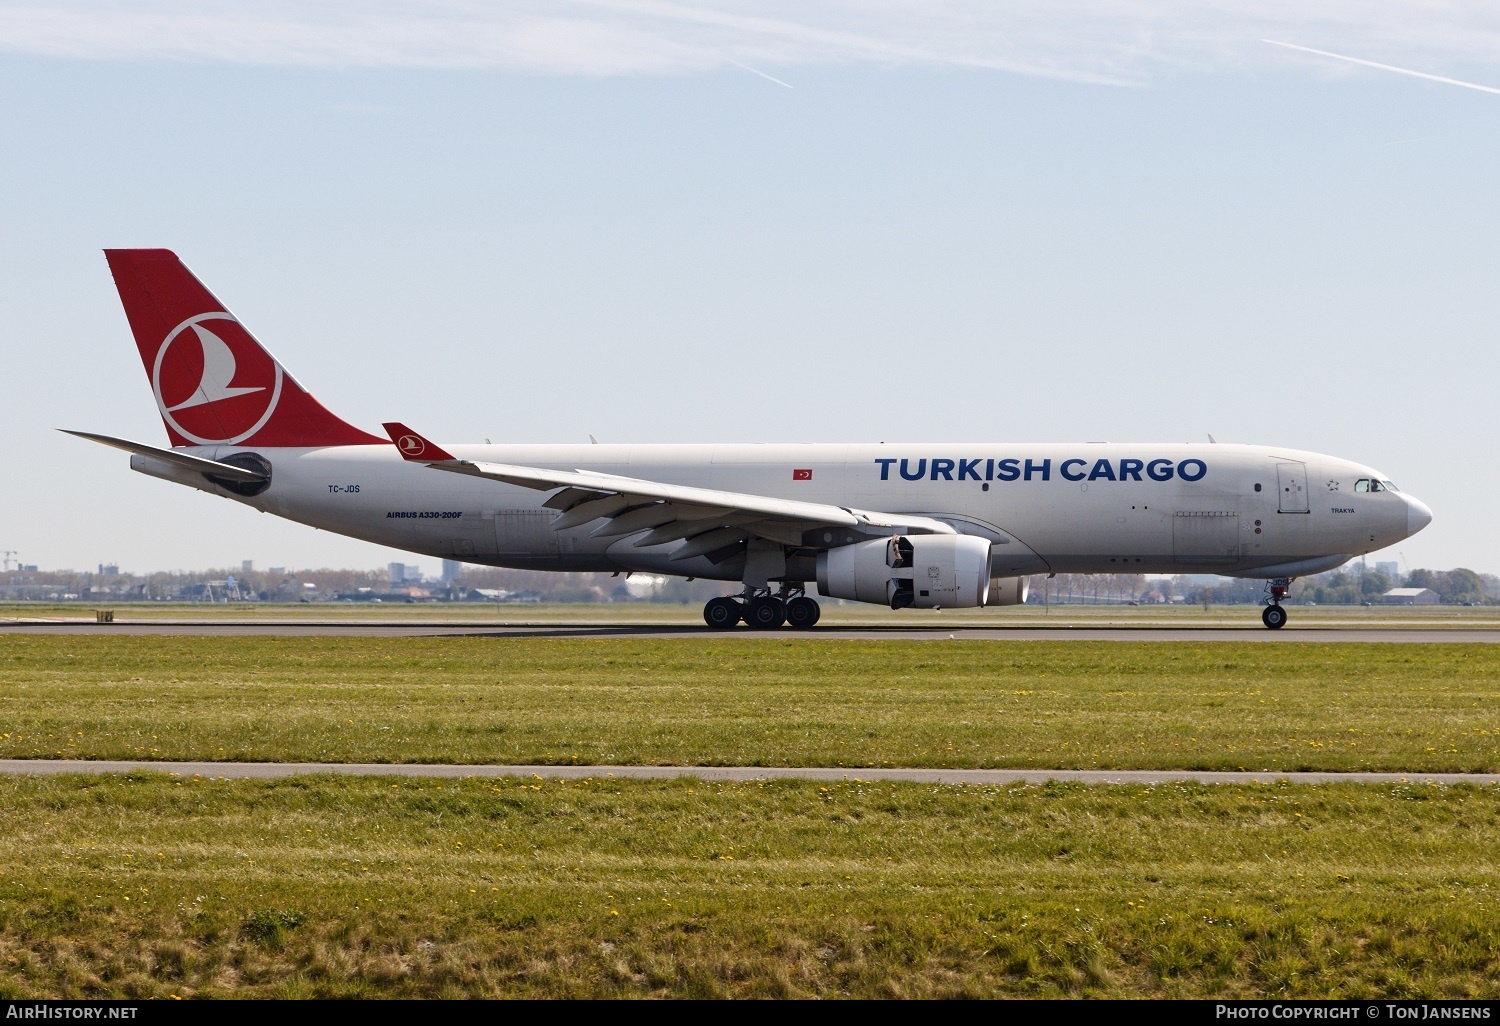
<point x="1418" y="515"/>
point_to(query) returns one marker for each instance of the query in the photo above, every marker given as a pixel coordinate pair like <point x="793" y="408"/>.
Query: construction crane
<point x="7" y="553"/>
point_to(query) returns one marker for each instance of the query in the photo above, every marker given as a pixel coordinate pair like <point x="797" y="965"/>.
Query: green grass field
<point x="1118" y="705"/>
<point x="145" y="886"/>
<point x="148" y="885"/>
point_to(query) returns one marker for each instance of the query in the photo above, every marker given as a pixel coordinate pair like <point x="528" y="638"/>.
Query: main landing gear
<point x="763" y="611"/>
<point x="1273" y="616"/>
<point x="722" y="613"/>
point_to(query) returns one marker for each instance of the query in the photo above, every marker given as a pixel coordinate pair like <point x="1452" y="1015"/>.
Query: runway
<point x="279" y="770"/>
<point x="934" y="632"/>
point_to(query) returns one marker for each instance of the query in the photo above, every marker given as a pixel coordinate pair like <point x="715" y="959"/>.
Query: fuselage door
<point x="1206" y="538"/>
<point x="525" y="532"/>
<point x="1292" y="478"/>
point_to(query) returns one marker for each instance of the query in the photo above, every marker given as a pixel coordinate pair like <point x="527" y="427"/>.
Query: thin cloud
<point x="762" y="74"/>
<point x="1099" y="41"/>
<point x="1386" y="67"/>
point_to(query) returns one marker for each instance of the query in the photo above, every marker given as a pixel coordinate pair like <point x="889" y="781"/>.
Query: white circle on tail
<point x="411" y="445"/>
<point x="199" y="399"/>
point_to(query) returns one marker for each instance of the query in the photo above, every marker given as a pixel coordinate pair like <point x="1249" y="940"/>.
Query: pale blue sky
<point x="1069" y="222"/>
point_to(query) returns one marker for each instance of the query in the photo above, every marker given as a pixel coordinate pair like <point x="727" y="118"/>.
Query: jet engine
<point x="1007" y="591"/>
<point x="924" y="571"/>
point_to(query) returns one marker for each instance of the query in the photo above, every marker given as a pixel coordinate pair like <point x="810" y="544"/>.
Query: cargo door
<point x="525" y="532"/>
<point x="1206" y="539"/>
<point x="1292" y="478"/>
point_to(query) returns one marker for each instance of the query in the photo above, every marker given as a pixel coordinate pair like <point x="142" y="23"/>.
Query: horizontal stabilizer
<point x="181" y="459"/>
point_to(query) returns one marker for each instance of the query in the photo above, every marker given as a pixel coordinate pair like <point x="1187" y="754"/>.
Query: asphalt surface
<point x="276" y="770"/>
<point x="1062" y="631"/>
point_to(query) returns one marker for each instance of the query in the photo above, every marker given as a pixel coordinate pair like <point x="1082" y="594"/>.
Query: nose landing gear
<point x="1273" y="616"/>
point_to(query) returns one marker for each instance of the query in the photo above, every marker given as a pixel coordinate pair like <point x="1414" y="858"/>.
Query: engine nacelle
<point x="1007" y="591"/>
<point x="921" y="570"/>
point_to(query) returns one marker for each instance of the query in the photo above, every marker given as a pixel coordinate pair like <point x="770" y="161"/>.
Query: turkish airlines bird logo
<point x="213" y="381"/>
<point x="218" y="371"/>
<point x="411" y="445"/>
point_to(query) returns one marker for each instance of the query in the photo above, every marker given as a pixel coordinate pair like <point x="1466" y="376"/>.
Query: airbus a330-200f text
<point x="910" y="525"/>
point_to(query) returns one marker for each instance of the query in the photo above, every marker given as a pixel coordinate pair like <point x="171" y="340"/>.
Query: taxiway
<point x="931" y="632"/>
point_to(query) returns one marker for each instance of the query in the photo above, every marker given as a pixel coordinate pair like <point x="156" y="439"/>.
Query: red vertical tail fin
<point x="214" y="383"/>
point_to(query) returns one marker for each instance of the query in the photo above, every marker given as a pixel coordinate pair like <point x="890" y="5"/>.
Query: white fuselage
<point x="1063" y="508"/>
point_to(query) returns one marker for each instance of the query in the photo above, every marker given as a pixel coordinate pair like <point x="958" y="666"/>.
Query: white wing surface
<point x="675" y="512"/>
<point x="705" y="519"/>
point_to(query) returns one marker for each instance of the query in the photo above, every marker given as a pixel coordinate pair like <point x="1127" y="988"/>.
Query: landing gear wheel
<point x="721" y="613"/>
<point x="1273" y="617"/>
<point x="802" y="612"/>
<point x="765" y="613"/>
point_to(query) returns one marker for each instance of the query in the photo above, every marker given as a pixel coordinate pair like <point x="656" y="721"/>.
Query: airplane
<point x="919" y="525"/>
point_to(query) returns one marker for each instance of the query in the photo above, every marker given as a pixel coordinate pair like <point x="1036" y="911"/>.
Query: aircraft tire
<point x="802" y="612"/>
<point x="765" y="613"/>
<point x="1273" y="617"/>
<point x="721" y="613"/>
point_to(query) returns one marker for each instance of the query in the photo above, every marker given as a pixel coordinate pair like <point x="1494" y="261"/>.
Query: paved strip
<point x="277" y="770"/>
<point x="1060" y="632"/>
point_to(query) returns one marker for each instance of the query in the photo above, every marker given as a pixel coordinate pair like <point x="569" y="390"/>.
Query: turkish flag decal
<point x="802" y="475"/>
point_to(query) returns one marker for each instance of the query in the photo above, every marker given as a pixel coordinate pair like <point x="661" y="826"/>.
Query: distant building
<point x="451" y="569"/>
<point x="1390" y="568"/>
<point x="1410" y="597"/>
<point x="109" y="569"/>
<point x="247" y="566"/>
<point x="403" y="573"/>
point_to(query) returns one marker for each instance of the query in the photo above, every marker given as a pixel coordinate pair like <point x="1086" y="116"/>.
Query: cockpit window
<point x="1390" y="486"/>
<point x="1376" y="486"/>
<point x="1362" y="485"/>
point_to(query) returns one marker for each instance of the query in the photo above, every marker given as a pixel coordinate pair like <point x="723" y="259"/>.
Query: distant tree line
<point x="1351" y="585"/>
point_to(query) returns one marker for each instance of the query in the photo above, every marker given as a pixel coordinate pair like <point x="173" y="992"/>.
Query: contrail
<point x="1386" y="67"/>
<point x="752" y="71"/>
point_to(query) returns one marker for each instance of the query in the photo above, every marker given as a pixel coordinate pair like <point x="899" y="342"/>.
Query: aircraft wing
<point x="707" y="519"/>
